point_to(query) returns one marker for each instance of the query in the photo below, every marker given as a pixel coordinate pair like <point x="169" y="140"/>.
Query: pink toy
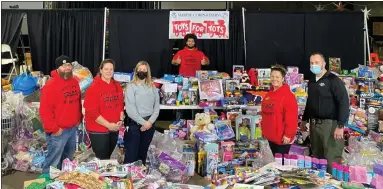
<point x="92" y="166"/>
<point x="121" y="132"/>
<point x="292" y="69"/>
<point x="294" y="78"/>
<point x="377" y="182"/>
<point x="378" y="170"/>
<point x="181" y="134"/>
<point x="222" y="116"/>
<point x="286" y="159"/>
<point x="315" y="163"/>
<point x="323" y="164"/>
<point x="227" y="151"/>
<point x="22" y="165"/>
<point x="137" y="172"/>
<point x="69" y="165"/>
<point x="278" y="159"/>
<point x="358" y="174"/>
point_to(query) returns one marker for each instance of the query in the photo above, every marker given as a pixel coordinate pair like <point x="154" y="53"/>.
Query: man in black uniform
<point x="327" y="111"/>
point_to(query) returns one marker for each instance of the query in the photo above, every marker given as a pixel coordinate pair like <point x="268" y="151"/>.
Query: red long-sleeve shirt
<point x="105" y="99"/>
<point x="190" y="61"/>
<point x="60" y="104"/>
<point x="279" y="115"/>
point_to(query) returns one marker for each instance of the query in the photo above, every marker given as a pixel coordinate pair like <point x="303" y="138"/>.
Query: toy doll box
<point x="245" y="127"/>
<point x="299" y="150"/>
<point x="122" y="76"/>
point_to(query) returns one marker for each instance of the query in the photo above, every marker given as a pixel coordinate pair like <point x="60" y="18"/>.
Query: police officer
<point x="327" y="110"/>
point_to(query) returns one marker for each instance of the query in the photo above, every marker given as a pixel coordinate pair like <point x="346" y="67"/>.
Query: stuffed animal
<point x="360" y="118"/>
<point x="203" y="123"/>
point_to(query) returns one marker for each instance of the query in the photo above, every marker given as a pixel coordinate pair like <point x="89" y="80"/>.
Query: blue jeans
<point x="136" y="143"/>
<point x="60" y="148"/>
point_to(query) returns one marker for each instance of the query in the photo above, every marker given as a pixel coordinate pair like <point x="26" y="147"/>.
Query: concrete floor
<point x="16" y="180"/>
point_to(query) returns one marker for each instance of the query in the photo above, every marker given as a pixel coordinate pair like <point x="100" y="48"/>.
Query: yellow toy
<point x="201" y="159"/>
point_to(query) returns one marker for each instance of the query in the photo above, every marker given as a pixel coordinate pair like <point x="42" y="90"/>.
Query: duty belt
<point x="314" y="121"/>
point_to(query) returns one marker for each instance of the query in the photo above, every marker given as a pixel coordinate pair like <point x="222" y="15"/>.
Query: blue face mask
<point x="315" y="69"/>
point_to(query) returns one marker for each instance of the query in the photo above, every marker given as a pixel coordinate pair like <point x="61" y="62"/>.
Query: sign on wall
<point x="204" y="24"/>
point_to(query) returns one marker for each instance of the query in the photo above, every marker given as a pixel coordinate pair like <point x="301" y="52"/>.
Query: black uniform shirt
<point x="327" y="99"/>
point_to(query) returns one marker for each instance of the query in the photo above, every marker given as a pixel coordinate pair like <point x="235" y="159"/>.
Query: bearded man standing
<point x="60" y="112"/>
<point x="190" y="58"/>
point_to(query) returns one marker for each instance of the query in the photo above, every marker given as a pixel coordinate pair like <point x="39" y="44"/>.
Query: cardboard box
<point x="28" y="58"/>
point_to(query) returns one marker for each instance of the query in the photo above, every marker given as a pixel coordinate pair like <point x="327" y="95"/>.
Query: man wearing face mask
<point x="60" y="112"/>
<point x="327" y="110"/>
<point x="190" y="58"/>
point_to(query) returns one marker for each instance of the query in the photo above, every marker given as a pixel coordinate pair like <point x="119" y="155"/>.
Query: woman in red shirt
<point x="104" y="111"/>
<point x="279" y="113"/>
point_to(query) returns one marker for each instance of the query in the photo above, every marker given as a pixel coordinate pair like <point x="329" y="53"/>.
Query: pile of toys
<point x="214" y="141"/>
<point x="364" y="85"/>
<point x="28" y="83"/>
<point x="210" y="88"/>
<point x="166" y="165"/>
<point x="24" y="149"/>
<point x="225" y="149"/>
<point x="228" y="148"/>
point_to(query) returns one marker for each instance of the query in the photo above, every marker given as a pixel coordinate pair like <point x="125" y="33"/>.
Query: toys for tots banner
<point x="204" y="24"/>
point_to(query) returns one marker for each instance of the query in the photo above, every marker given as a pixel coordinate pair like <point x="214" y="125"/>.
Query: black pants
<point x="137" y="142"/>
<point x="279" y="148"/>
<point x="103" y="144"/>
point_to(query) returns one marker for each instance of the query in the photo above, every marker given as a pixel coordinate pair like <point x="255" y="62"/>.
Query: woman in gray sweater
<point x="142" y="103"/>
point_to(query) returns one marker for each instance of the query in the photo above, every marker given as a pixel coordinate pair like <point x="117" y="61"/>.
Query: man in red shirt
<point x="190" y="58"/>
<point x="60" y="112"/>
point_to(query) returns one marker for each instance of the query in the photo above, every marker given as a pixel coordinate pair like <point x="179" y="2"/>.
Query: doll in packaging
<point x="245" y="128"/>
<point x="227" y="151"/>
<point x="223" y="130"/>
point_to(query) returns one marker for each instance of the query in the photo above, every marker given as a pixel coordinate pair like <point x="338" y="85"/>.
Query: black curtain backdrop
<point x="290" y="38"/>
<point x="222" y="53"/>
<point x="76" y="33"/>
<point x="274" y="38"/>
<point x="11" y="21"/>
<point x="140" y="35"/>
<point x="338" y="34"/>
<point x="145" y="36"/>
